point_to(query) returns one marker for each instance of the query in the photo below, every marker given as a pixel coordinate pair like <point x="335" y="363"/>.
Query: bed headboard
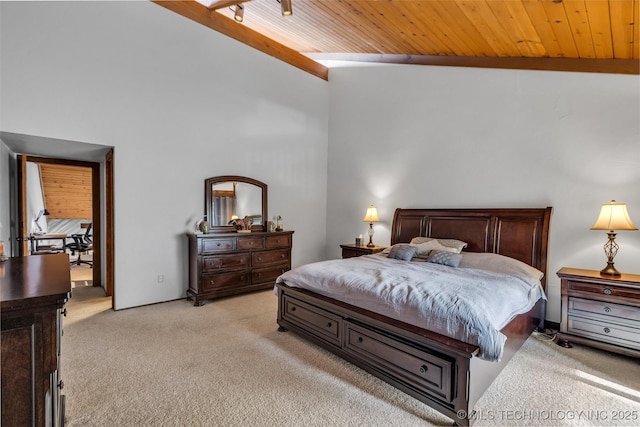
<point x="520" y="233"/>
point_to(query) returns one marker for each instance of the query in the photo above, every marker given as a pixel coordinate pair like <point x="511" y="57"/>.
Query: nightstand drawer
<point x="577" y="305"/>
<point x="609" y="290"/>
<point x="604" y="331"/>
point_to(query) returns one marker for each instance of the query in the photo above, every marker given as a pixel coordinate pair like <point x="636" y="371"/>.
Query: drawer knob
<point x="360" y="339"/>
<point x="607" y="310"/>
<point x="218" y="244"/>
<point x="64" y="312"/>
<point x="211" y="282"/>
<point x="424" y="369"/>
<point x="61" y="385"/>
<point x="606" y="291"/>
<point x="293" y="309"/>
<point x="607" y="330"/>
<point x="329" y="324"/>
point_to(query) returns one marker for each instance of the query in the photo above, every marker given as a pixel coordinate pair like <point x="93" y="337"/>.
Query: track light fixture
<point x="238" y="13"/>
<point x="286" y="7"/>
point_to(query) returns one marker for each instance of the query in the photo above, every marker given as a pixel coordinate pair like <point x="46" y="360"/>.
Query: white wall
<point x="180" y="103"/>
<point x="407" y="136"/>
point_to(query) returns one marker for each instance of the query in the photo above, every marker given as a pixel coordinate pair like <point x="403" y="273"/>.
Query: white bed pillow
<point x="424" y="245"/>
<point x="501" y="264"/>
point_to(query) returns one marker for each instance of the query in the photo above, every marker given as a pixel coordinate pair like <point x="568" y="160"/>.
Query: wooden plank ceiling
<point x="66" y="191"/>
<point x="564" y="35"/>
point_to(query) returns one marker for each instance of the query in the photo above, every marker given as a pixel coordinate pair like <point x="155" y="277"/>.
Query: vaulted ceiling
<point x="564" y="35"/>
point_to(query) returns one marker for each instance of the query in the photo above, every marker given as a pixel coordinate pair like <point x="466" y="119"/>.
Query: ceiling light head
<point x="286" y="7"/>
<point x="238" y="15"/>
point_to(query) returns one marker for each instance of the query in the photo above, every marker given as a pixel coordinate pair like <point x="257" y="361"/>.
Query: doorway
<point x="99" y="158"/>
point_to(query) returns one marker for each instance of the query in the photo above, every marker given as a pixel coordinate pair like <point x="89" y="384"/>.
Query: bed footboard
<point x="438" y="371"/>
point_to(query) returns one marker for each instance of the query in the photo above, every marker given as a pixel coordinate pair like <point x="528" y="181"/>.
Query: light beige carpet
<point x="225" y="364"/>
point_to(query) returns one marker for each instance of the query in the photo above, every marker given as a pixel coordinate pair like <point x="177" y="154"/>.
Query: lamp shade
<point x="614" y="216"/>
<point x="372" y="215"/>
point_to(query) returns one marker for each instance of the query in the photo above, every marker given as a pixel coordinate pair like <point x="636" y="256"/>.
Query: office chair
<point x="81" y="243"/>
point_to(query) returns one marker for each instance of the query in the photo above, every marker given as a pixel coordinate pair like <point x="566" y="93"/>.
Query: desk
<point x="49" y="236"/>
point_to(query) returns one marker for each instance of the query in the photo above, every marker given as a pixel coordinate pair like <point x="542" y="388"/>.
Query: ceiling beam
<point x="585" y="65"/>
<point x="214" y="20"/>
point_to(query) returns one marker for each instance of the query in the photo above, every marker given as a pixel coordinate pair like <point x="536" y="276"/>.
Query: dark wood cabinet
<point x="349" y="250"/>
<point x="600" y="311"/>
<point x="224" y="264"/>
<point x="33" y="292"/>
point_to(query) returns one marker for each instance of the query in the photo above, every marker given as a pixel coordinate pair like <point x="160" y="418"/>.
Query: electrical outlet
<point x="160" y="278"/>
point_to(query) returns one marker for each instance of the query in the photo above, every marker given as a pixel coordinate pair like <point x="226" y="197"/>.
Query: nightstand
<point x="350" y="250"/>
<point x="600" y="311"/>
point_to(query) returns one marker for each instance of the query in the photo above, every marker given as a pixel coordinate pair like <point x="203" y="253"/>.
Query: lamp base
<point x="610" y="270"/>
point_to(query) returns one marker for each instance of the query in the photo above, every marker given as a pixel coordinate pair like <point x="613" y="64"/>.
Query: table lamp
<point x="613" y="216"/>
<point x="42" y="212"/>
<point x="371" y="217"/>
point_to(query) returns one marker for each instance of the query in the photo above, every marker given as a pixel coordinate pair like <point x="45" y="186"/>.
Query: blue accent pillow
<point x="402" y="251"/>
<point x="445" y="258"/>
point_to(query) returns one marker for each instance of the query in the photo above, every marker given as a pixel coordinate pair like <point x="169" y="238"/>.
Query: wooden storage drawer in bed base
<point x="414" y="367"/>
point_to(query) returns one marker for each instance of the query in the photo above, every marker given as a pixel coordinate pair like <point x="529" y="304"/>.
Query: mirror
<point x="226" y="197"/>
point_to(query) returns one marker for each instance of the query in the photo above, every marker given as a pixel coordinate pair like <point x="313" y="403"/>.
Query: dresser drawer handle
<point x="282" y="256"/>
<point x="606" y="291"/>
<point x="360" y="339"/>
<point x="607" y="309"/>
<point x="329" y="324"/>
<point x="607" y="330"/>
<point x="293" y="309"/>
<point x="218" y="245"/>
<point x="211" y="282"/>
<point x="424" y="369"/>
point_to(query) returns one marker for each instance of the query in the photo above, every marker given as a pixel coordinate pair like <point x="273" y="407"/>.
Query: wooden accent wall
<point x="67" y="191"/>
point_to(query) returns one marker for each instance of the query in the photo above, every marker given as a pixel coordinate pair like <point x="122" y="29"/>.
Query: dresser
<point x="600" y="311"/>
<point x="33" y="292"/>
<point x="349" y="250"/>
<point x="224" y="264"/>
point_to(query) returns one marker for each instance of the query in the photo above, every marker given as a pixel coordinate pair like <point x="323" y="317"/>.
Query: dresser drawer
<point x="217" y="245"/>
<point x="260" y="259"/>
<point x="213" y="263"/>
<point x="245" y="243"/>
<point x="319" y="322"/>
<point x="430" y="373"/>
<point x="609" y="290"/>
<point x="604" y="331"/>
<point x="283" y="241"/>
<point x="577" y="305"/>
<point x="270" y="274"/>
<point x="235" y="279"/>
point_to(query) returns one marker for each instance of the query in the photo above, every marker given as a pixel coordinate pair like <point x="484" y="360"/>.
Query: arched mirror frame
<point x="208" y="202"/>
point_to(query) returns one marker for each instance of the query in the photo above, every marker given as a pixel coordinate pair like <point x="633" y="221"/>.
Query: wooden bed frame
<point x="442" y="372"/>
